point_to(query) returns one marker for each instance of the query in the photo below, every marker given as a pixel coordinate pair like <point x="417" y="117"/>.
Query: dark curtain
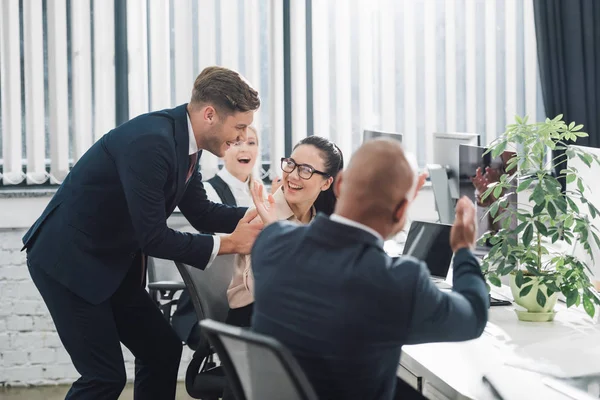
<point x="568" y="46"/>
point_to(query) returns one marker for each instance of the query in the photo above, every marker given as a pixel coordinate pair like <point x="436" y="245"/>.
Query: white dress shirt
<point x="194" y="149"/>
<point x="239" y="189"/>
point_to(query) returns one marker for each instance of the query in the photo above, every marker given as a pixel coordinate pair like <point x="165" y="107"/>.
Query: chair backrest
<point x="257" y="366"/>
<point x="162" y="270"/>
<point x="208" y="287"/>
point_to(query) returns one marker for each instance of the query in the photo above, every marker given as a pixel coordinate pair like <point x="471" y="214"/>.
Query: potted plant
<point x="540" y="223"/>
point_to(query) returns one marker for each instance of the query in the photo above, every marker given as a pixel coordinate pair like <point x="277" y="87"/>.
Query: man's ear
<point x="400" y="211"/>
<point x="337" y="184"/>
<point x="210" y="114"/>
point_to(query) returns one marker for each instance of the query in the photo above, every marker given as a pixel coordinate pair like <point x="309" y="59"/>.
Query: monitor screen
<point x="471" y="159"/>
<point x="430" y="242"/>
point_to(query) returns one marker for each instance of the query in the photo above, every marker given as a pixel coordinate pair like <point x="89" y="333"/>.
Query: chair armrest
<point x="166" y="285"/>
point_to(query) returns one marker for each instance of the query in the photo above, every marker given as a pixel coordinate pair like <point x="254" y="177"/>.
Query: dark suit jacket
<point x="115" y="202"/>
<point x="344" y="308"/>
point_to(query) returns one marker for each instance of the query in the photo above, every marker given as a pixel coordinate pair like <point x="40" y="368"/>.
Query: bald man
<point x="330" y="293"/>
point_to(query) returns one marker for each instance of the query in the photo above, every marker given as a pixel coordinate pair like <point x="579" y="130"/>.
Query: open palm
<point x="266" y="209"/>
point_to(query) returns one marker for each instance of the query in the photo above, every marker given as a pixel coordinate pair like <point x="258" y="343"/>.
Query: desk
<point x="455" y="370"/>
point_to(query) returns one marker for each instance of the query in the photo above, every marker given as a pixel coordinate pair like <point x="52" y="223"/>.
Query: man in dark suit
<point x="87" y="252"/>
<point x="330" y="293"/>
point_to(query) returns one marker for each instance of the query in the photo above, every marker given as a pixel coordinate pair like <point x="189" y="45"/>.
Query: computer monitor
<point x="370" y="134"/>
<point x="446" y="147"/>
<point x="472" y="158"/>
<point x="444" y="203"/>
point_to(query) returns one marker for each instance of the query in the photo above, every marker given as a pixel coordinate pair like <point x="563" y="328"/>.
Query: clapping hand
<point x="266" y="209"/>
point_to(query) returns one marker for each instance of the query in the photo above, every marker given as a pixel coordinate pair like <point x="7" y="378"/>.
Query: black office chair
<point x="258" y="367"/>
<point x="208" y="291"/>
<point x="163" y="285"/>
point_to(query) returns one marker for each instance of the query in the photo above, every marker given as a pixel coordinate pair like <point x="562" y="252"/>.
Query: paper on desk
<point x="566" y="357"/>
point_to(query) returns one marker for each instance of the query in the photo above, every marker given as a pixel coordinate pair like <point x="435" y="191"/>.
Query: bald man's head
<point x="376" y="183"/>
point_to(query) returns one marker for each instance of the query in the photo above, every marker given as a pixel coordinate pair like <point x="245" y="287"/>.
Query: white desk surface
<point x="568" y="346"/>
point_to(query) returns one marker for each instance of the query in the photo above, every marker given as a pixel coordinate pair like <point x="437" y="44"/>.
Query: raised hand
<point x="266" y="209"/>
<point x="276" y="184"/>
<point x="464" y="229"/>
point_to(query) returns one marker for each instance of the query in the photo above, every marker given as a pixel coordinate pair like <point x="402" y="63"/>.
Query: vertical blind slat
<point x="184" y="63"/>
<point x="138" y="57"/>
<point x="409" y="86"/>
<point x="104" y="67"/>
<point x="388" y="65"/>
<point x="531" y="62"/>
<point x="510" y="49"/>
<point x="81" y="67"/>
<point x="229" y="34"/>
<point x="298" y="68"/>
<point x="207" y="56"/>
<point x="490" y="72"/>
<point x="450" y="70"/>
<point x="470" y="65"/>
<point x="430" y="95"/>
<point x="253" y="67"/>
<point x="58" y="90"/>
<point x="343" y="79"/>
<point x="321" y="83"/>
<point x="11" y="94"/>
<point x="34" y="91"/>
<point x="275" y="36"/>
<point x="160" y="55"/>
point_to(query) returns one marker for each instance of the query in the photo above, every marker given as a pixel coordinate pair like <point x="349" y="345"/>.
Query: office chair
<point x="163" y="285"/>
<point x="208" y="292"/>
<point x="258" y="367"/>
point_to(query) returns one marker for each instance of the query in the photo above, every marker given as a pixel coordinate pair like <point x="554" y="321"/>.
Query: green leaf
<point x="572" y="297"/>
<point x="541" y="228"/>
<point x="577" y="128"/>
<point x="580" y="185"/>
<point x="497" y="191"/>
<point x="494" y="280"/>
<point x="524" y="185"/>
<point x="520" y="228"/>
<point x="572" y="205"/>
<point x="569" y="221"/>
<point x="552" y="288"/>
<point x="538" y="195"/>
<point x="596" y="238"/>
<point x="551" y="210"/>
<point x="541" y="298"/>
<point x="532" y="270"/>
<point x="593" y="210"/>
<point x="538" y="208"/>
<point x="571" y="178"/>
<point x="528" y="235"/>
<point x="494" y="208"/>
<point x="519" y="279"/>
<point x="561" y="204"/>
<point x="588" y="306"/>
<point x="587" y="160"/>
<point x="499" y="148"/>
<point x="525" y="291"/>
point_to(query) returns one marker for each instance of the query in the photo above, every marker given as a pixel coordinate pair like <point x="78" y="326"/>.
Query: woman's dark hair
<point x="334" y="163"/>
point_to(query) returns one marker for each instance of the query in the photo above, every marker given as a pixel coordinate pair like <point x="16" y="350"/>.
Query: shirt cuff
<point x="215" y="251"/>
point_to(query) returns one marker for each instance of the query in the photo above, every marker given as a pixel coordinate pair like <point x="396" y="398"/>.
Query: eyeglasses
<point x="305" y="171"/>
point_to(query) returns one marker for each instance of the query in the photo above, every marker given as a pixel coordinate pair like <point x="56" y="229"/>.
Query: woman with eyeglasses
<point x="306" y="188"/>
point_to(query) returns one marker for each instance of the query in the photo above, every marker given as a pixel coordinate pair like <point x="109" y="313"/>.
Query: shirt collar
<point x="193" y="144"/>
<point x="232" y="181"/>
<point x="284" y="212"/>
<point x="346" y="221"/>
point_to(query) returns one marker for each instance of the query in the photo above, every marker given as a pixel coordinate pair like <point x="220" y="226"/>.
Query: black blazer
<point x="115" y="203"/>
<point x="344" y="308"/>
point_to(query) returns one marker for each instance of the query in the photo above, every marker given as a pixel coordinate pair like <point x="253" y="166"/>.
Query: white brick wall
<point x="30" y="351"/>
